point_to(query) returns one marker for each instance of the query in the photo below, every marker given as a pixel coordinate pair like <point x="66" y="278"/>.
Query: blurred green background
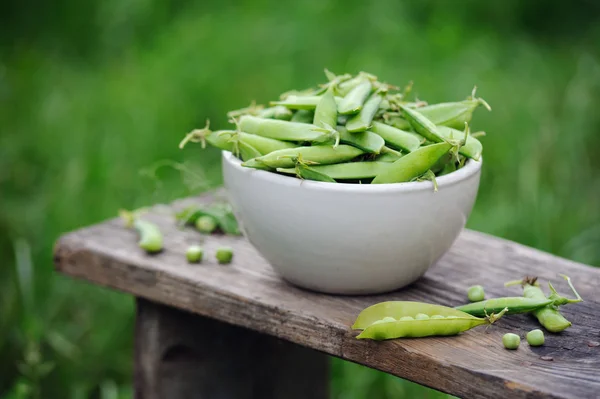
<point x="91" y="93"/>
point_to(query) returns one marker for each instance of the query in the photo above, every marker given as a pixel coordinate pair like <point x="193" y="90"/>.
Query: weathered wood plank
<point x="248" y="293"/>
<point x="180" y="355"/>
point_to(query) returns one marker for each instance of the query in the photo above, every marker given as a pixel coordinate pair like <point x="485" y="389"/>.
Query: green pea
<point x="437" y="316"/>
<point x="206" y="224"/>
<point x="346" y="170"/>
<point x="363" y="120"/>
<point x="194" y="254"/>
<point x="322" y="154"/>
<point x="388" y="319"/>
<point x="421" y="316"/>
<point x="511" y="341"/>
<point x="396" y="138"/>
<point x="535" y="337"/>
<point x="354" y="100"/>
<point x="476" y="293"/>
<point x="224" y="255"/>
<point x="406" y="318"/>
<point x="413" y="164"/>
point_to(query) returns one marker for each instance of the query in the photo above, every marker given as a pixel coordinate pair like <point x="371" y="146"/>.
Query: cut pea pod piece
<point x="346" y="170"/>
<point x="397" y="138"/>
<point x="413" y="164"/>
<point x="366" y="141"/>
<point x="302" y="102"/>
<point x="283" y="130"/>
<point x="363" y="120"/>
<point x="420" y="323"/>
<point x="353" y="102"/>
<point x="321" y="154"/>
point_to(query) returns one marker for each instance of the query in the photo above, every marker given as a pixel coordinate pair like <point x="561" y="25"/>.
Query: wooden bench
<point x="239" y="331"/>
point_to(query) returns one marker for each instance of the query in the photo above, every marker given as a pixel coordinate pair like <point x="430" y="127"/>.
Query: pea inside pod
<point x="420" y="324"/>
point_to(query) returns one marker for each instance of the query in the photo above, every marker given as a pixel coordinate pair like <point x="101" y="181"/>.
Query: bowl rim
<point x="470" y="168"/>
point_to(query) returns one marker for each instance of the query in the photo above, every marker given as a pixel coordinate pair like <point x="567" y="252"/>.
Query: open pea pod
<point x="222" y="214"/>
<point x="400" y="319"/>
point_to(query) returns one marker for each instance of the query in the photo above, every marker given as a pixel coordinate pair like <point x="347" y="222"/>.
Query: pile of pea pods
<point x="351" y="129"/>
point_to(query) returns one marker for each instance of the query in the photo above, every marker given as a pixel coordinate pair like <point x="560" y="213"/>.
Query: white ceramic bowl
<point x="349" y="238"/>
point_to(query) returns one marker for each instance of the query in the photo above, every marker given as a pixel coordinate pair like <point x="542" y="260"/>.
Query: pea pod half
<point x="415" y="319"/>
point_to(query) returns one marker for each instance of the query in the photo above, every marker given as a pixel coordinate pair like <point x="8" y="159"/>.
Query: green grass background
<point x="93" y="92"/>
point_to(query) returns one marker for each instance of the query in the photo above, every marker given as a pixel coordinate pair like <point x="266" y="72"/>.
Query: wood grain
<point x="249" y="294"/>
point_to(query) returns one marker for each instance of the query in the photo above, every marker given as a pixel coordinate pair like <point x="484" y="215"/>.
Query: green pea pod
<point x="346" y="170"/>
<point x="263" y="145"/>
<point x="354" y="100"/>
<point x="326" y="111"/>
<point x="515" y="305"/>
<point x="472" y="147"/>
<point x="366" y="141"/>
<point x="321" y="154"/>
<point x="347" y="86"/>
<point x="453" y="114"/>
<point x="413" y="164"/>
<point x="399" y="123"/>
<point x="548" y="316"/>
<point x="363" y="120"/>
<point x="277" y="112"/>
<point x="303" y="116"/>
<point x="302" y="102"/>
<point x="283" y="130"/>
<point x="414" y="319"/>
<point x="397" y="138"/>
<point x="421" y="124"/>
<point x="247" y="151"/>
<point x="150" y="236"/>
<point x="220" y="139"/>
<point x="388" y="157"/>
<point x="222" y="214"/>
<point x="309" y="173"/>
